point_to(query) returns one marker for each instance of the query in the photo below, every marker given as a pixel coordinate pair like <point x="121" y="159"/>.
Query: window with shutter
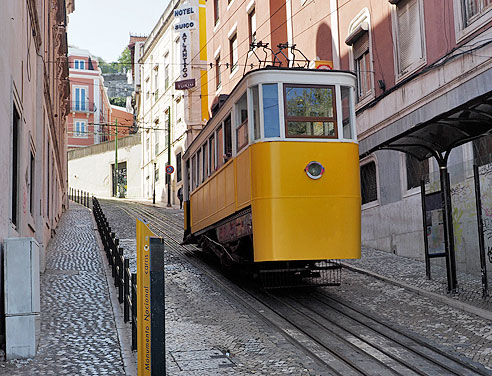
<point x="362" y="66"/>
<point x="368" y="183"/>
<point x="409" y="35"/>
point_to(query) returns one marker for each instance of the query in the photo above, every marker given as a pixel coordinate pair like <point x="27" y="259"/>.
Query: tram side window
<point x="256" y="112"/>
<point x="346" y="112"/>
<point x="211" y="152"/>
<point x="193" y="172"/>
<point x="199" y="167"/>
<point x="310" y="111"/>
<point x="241" y="123"/>
<point x="227" y="138"/>
<point x="270" y="110"/>
<point x="205" y="164"/>
<point x="220" y="147"/>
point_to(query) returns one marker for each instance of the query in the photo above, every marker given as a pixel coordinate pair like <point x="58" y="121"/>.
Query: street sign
<point x="169" y="169"/>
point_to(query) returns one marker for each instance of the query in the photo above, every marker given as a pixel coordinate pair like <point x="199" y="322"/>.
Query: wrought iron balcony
<point x="83" y="106"/>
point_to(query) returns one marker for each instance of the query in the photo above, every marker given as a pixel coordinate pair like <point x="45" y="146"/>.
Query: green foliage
<point x="120" y="66"/>
<point x="118" y="101"/>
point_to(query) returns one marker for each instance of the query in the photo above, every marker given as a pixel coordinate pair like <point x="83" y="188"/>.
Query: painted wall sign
<point x="185" y="84"/>
<point x="183" y="25"/>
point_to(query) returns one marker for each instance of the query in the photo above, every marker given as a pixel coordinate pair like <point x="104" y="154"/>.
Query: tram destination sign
<point x="185" y="84"/>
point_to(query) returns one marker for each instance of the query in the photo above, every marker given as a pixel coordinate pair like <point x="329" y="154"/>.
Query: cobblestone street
<point x="200" y="317"/>
<point x="78" y="332"/>
<point x="208" y="330"/>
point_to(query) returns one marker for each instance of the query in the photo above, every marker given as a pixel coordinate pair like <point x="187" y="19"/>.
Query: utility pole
<point x="116" y="158"/>
<point x="153" y="194"/>
<point x="168" y="176"/>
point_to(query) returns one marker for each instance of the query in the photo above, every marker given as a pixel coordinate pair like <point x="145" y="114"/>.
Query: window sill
<point x="410" y="70"/>
<point x="410" y="192"/>
<point x="370" y="205"/>
<point x="216" y="26"/>
<point x="234" y="71"/>
<point x="366" y="99"/>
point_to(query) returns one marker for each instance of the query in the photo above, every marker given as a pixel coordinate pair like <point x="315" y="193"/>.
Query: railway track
<point x="341" y="338"/>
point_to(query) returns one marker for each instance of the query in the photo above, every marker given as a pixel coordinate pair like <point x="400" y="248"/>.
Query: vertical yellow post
<point x="143" y="298"/>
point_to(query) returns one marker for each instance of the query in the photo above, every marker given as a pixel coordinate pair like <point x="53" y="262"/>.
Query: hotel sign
<point x="183" y="25"/>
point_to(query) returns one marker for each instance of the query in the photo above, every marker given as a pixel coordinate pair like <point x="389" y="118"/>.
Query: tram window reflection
<point x="270" y="110"/>
<point x="241" y="123"/>
<point x="256" y="112"/>
<point x="227" y="138"/>
<point x="310" y="111"/>
<point x="346" y="109"/>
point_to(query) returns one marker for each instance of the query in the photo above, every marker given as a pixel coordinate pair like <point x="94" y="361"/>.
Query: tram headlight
<point x="314" y="170"/>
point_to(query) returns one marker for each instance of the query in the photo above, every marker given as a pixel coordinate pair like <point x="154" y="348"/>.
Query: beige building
<point x="168" y="117"/>
<point x="34" y="93"/>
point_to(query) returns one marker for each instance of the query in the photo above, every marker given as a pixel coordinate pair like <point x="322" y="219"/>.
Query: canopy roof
<point x="444" y="132"/>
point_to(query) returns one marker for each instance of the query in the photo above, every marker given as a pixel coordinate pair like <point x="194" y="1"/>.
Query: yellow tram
<point x="273" y="178"/>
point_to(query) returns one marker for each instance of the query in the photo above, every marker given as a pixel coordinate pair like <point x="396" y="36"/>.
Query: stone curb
<point x="123" y="330"/>
<point x="487" y="315"/>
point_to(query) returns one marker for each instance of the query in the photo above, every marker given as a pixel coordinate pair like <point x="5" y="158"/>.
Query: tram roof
<point x="444" y="132"/>
<point x="267" y="68"/>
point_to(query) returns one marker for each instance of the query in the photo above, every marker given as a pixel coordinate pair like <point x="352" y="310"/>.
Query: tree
<point x="125" y="60"/>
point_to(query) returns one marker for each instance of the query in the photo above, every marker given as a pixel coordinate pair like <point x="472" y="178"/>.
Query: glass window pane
<point x="311" y="128"/>
<point x="242" y="122"/>
<point x="309" y="101"/>
<point x="256" y="112"/>
<point x="220" y="143"/>
<point x="227" y="138"/>
<point x="270" y="110"/>
<point x="346" y="112"/>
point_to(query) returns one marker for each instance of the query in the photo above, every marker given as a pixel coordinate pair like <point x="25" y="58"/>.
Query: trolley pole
<point x="116" y="157"/>
<point x="168" y="176"/>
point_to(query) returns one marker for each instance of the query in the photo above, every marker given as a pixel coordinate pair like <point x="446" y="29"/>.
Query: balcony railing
<point x="83" y="106"/>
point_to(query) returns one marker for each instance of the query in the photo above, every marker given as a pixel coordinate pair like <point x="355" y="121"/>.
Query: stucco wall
<point x="89" y="169"/>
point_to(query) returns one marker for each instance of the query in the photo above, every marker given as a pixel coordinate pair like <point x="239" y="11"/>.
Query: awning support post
<point x="448" y="227"/>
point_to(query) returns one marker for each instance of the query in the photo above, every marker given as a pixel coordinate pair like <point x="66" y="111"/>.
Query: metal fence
<point x="79" y="196"/>
<point x="124" y="280"/>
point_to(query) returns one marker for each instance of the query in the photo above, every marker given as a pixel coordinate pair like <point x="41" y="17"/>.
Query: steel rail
<point x="162" y="224"/>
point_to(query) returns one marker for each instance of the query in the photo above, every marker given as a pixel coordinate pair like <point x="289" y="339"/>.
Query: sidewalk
<point x="410" y="274"/>
<point x="78" y="329"/>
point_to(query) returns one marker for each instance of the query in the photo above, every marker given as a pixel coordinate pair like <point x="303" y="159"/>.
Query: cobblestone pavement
<point x="200" y="317"/>
<point x="78" y="333"/>
<point x="412" y="272"/>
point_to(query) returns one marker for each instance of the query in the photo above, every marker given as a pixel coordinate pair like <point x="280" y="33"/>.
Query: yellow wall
<point x="294" y="217"/>
<point x="222" y="194"/>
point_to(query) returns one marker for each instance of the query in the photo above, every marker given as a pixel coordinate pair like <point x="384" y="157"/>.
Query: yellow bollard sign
<point x="143" y="298"/>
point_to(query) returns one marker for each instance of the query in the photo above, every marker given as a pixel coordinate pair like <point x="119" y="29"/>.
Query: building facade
<point x="414" y="60"/>
<point x="89" y="121"/>
<point x="167" y="117"/>
<point x="34" y="104"/>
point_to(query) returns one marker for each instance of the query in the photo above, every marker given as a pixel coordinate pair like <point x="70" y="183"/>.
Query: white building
<point x="162" y="108"/>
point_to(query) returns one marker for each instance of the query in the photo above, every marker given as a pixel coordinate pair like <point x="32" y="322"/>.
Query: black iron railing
<point x="124" y="280"/>
<point x="79" y="196"/>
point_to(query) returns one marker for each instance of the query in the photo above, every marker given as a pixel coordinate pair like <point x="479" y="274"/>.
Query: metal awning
<point x="438" y="136"/>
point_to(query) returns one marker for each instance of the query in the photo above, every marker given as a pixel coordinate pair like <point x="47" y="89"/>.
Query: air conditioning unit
<point x="21" y="297"/>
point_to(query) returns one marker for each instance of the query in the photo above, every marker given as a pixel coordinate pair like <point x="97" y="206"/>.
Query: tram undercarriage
<point x="231" y="241"/>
